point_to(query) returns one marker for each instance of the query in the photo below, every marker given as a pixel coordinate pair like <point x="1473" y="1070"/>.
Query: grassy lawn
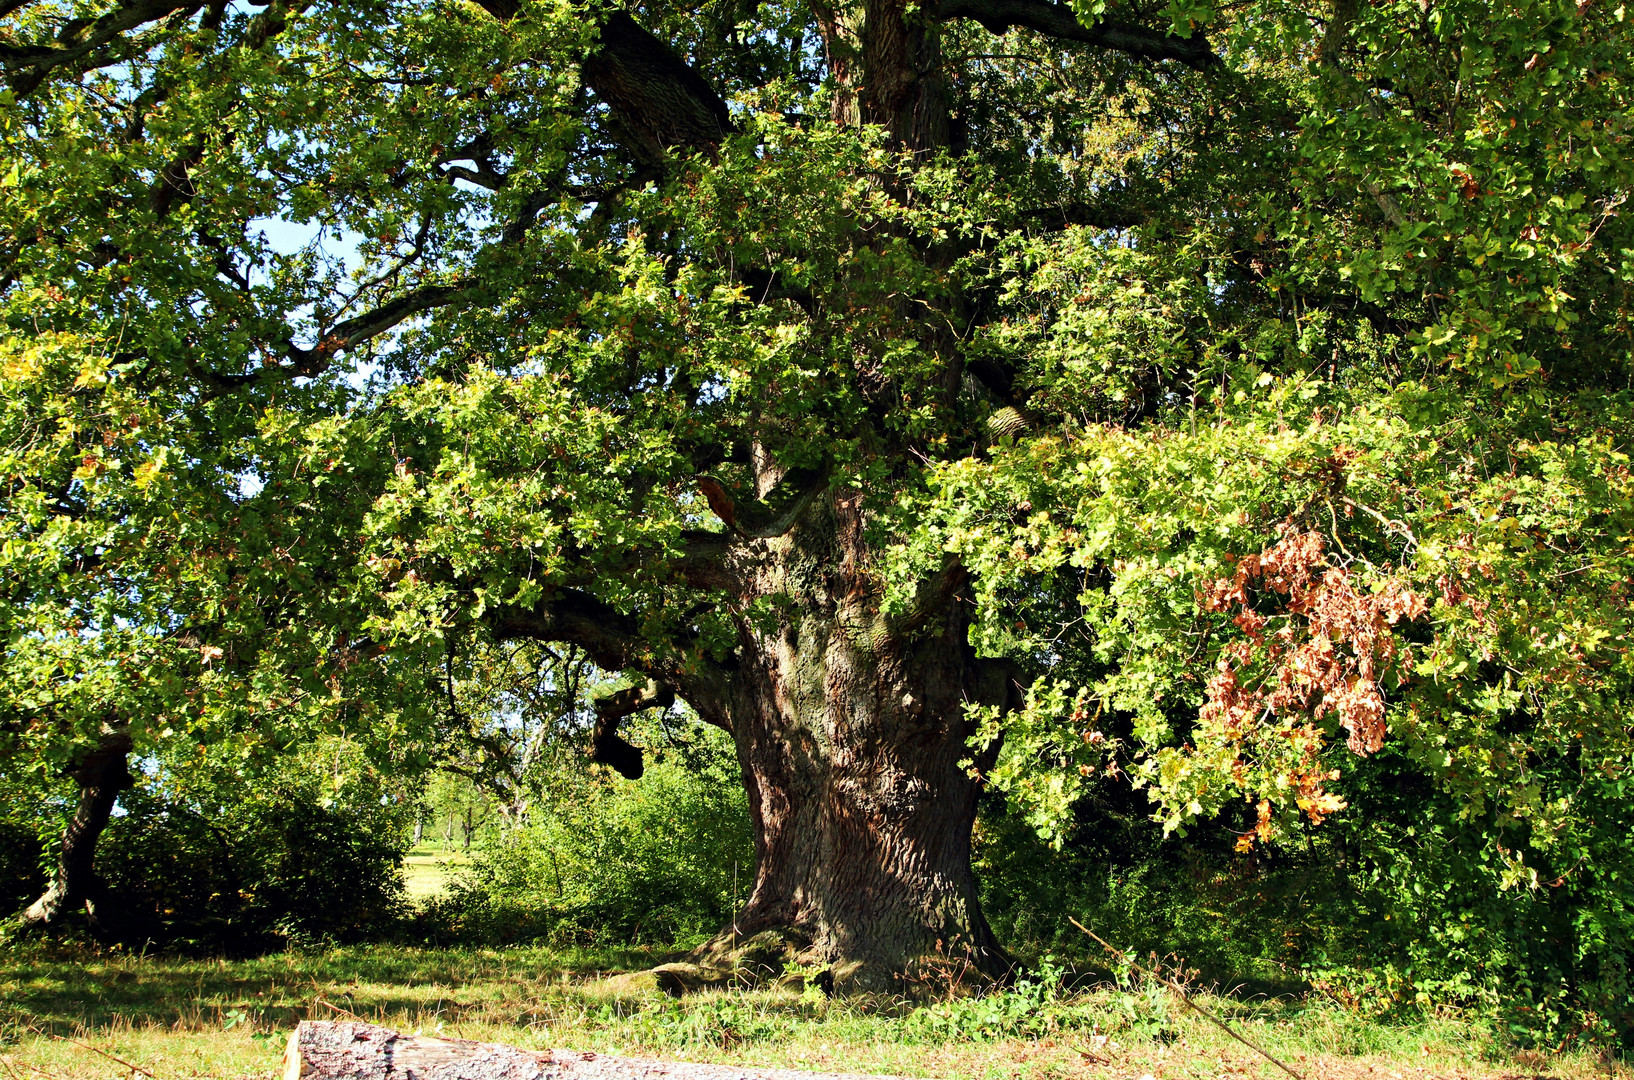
<point x="427" y="868"/>
<point x="193" y="1018"/>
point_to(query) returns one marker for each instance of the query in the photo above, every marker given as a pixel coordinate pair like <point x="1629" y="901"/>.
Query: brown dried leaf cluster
<point x="1331" y="647"/>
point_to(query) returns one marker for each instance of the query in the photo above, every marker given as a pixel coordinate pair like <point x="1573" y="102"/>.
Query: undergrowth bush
<point x="1398" y="907"/>
<point x="245" y="877"/>
<point x="21" y="875"/>
<point x="1233" y="920"/>
<point x="213" y="859"/>
<point x="660" y="860"/>
<point x="1453" y="909"/>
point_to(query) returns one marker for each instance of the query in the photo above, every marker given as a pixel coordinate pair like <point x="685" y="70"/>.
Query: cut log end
<point x="342" y="1050"/>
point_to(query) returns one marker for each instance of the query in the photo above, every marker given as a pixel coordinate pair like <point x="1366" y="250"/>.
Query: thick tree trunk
<point x="852" y="736"/>
<point x="862" y="817"/>
<point x="101" y="774"/>
<point x="338" y="1050"/>
<point x="851" y="727"/>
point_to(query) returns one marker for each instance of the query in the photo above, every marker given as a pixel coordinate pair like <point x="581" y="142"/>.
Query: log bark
<point x="340" y="1050"/>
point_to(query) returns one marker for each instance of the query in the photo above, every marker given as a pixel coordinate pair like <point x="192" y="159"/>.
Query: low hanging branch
<point x="335" y="1050"/>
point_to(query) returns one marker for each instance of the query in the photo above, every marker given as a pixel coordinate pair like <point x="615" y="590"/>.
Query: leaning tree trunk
<point x="101" y="775"/>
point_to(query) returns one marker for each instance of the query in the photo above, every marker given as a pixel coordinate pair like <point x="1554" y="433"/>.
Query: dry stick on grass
<point x="1089" y="1055"/>
<point x="94" y="1050"/>
<point x="1185" y="997"/>
<point x="37" y="1071"/>
<point x="342" y="1011"/>
<point x="9" y="1069"/>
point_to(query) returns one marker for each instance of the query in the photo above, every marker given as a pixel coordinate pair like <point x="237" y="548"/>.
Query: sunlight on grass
<point x="195" y="1018"/>
<point x="428" y="868"/>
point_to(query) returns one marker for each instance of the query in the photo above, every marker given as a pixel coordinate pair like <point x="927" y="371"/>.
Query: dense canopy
<point x="928" y="394"/>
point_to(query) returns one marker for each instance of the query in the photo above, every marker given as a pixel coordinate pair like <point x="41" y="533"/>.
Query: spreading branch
<point x="86" y="44"/>
<point x="611" y="638"/>
<point x="1058" y="21"/>
<point x="764" y="518"/>
<point x="658" y="100"/>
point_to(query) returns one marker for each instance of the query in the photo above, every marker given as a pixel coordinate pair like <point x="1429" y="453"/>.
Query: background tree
<point x="602" y="860"/>
<point x="515" y="710"/>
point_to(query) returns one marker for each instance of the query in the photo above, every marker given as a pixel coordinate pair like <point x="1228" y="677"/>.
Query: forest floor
<point x="76" y="1015"/>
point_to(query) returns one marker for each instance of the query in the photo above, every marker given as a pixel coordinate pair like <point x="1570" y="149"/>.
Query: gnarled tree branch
<point x="607" y="745"/>
<point x="658" y="101"/>
<point x="1058" y="21"/>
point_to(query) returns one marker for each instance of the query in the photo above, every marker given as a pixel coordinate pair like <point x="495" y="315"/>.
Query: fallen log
<point x="339" y="1050"/>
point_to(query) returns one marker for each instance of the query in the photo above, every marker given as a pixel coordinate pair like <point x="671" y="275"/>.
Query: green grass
<point x="194" y="1018"/>
<point x="428" y="868"/>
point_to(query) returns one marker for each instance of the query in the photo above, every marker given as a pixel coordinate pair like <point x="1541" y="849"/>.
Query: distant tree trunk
<point x="470" y="827"/>
<point x="448" y="832"/>
<point x="101" y="774"/>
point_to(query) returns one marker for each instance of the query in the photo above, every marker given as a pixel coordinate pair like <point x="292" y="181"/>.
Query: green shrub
<point x="212" y="858"/>
<point x="277" y="869"/>
<point x="657" y="860"/>
<point x="1398" y="905"/>
<point x="1230" y="919"/>
<point x="1518" y="920"/>
<point x="22" y="877"/>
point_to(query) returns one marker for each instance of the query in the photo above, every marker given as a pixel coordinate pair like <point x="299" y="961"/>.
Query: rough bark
<point x="325" y="1050"/>
<point x="101" y="775"/>
<point x="658" y="101"/>
<point x="851" y="733"/>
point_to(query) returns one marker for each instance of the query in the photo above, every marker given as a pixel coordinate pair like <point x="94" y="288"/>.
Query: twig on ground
<point x="1090" y="1056"/>
<point x="342" y="1011"/>
<point x="7" y="1064"/>
<point x="87" y="1046"/>
<point x="1187" y="999"/>
<point x="37" y="1071"/>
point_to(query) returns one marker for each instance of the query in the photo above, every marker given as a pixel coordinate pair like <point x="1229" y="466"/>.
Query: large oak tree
<point x="756" y="349"/>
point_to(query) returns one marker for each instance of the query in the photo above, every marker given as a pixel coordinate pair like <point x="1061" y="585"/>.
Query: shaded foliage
<point x="600" y="860"/>
<point x="212" y="860"/>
